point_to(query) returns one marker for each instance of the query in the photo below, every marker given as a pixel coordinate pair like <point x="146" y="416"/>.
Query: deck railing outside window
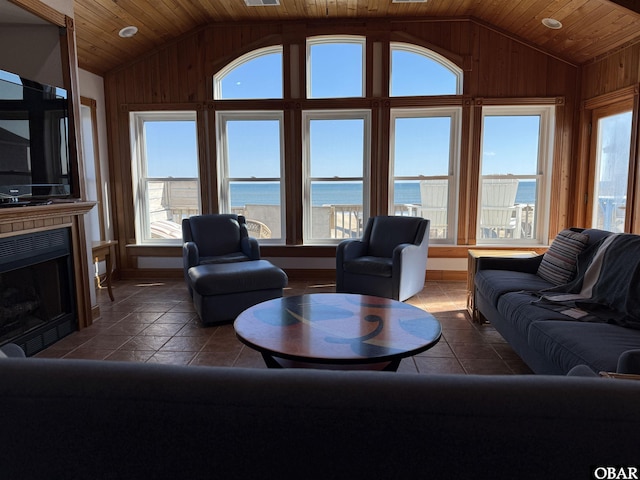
<point x="171" y="200"/>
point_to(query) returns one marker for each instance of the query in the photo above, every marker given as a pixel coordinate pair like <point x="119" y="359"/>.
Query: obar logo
<point x="610" y="473"/>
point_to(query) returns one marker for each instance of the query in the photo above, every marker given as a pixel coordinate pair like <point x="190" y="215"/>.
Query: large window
<point x="166" y="186"/>
<point x="336" y="142"/>
<point x="250" y="166"/>
<point x="250" y="152"/>
<point x="514" y="182"/>
<point x="329" y="137"/>
<point x="424" y="148"/>
<point x="611" y="134"/>
<point x="336" y="187"/>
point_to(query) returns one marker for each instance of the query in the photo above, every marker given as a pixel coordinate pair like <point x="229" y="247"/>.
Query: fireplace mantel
<point x="21" y="220"/>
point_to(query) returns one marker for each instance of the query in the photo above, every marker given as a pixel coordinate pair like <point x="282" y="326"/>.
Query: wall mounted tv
<point x="35" y="165"/>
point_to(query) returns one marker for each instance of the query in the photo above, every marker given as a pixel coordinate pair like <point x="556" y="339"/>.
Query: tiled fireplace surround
<point x="51" y="219"/>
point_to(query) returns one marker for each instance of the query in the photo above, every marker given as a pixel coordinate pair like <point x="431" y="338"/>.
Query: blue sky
<point x="509" y="145"/>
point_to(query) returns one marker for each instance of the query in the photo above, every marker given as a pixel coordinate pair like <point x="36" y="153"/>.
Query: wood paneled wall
<point x="179" y="75"/>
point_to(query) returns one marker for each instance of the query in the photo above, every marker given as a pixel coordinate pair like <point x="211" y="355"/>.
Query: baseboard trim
<point x="326" y="274"/>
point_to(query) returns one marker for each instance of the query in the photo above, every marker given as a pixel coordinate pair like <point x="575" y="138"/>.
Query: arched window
<point x="418" y="71"/>
<point x="258" y="74"/>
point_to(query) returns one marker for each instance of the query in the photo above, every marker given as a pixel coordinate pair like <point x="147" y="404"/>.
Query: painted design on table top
<point x="326" y="316"/>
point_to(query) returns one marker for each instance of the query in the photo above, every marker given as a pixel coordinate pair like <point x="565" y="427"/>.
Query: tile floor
<point x="154" y="321"/>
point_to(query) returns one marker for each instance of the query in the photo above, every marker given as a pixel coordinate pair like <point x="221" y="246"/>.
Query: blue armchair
<point x="389" y="261"/>
<point x="223" y="270"/>
<point x="215" y="239"/>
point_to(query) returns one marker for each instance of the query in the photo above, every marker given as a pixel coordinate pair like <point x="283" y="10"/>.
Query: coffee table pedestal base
<point x="279" y="362"/>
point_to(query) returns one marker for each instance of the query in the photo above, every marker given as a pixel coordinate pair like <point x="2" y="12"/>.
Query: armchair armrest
<point x="515" y="264"/>
<point x="190" y="255"/>
<point x="407" y="252"/>
<point x="347" y="250"/>
<point x="629" y="362"/>
<point x="11" y="350"/>
<point x="250" y="247"/>
<point x="409" y="266"/>
<point x="350" y="249"/>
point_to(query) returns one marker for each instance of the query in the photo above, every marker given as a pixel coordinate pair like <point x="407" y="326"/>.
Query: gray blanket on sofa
<point x="607" y="285"/>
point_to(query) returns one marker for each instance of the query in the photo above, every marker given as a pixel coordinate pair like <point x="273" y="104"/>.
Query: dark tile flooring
<point x="154" y="321"/>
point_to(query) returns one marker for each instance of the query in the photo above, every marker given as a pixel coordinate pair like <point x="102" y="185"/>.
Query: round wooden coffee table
<point x="336" y="330"/>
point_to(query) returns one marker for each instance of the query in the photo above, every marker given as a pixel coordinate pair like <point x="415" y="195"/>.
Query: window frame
<point x="543" y="177"/>
<point x="224" y="191"/>
<point x="455" y="139"/>
<point x="307" y="180"/>
<point x="140" y="165"/>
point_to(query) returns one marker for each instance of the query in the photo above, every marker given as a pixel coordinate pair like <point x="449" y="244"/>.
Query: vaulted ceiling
<point x="590" y="29"/>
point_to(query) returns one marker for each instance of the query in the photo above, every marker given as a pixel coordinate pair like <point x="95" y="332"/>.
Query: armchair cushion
<point x="228" y="258"/>
<point x="368" y="265"/>
<point x="386" y="233"/>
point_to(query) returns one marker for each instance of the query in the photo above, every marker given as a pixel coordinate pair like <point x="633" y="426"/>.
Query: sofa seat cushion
<point x="368" y="265"/>
<point x="229" y="258"/>
<point x="571" y="343"/>
<point x="494" y="283"/>
<point x="225" y="278"/>
<point x="518" y="308"/>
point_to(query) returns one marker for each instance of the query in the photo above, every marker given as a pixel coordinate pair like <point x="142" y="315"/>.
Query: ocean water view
<point x="346" y="194"/>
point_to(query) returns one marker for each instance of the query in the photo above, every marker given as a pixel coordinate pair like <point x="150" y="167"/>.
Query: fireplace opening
<point x="37" y="305"/>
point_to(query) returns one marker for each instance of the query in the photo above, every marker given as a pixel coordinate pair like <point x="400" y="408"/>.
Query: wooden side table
<point x="104" y="250"/>
<point x="472" y="268"/>
<point x="621" y="376"/>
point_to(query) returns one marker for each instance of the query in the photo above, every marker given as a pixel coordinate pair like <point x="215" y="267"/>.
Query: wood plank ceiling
<point x="591" y="28"/>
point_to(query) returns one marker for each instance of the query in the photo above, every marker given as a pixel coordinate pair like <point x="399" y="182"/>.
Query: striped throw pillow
<point x="558" y="264"/>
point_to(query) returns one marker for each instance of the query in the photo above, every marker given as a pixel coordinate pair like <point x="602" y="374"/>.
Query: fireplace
<point x="37" y="306"/>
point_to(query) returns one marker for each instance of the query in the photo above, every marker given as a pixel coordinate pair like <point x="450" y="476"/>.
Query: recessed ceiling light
<point x="262" y="3"/>
<point x="552" y="23"/>
<point x="128" y="32"/>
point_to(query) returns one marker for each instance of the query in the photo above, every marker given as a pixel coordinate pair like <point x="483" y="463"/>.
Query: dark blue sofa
<point x="82" y="419"/>
<point x="548" y="341"/>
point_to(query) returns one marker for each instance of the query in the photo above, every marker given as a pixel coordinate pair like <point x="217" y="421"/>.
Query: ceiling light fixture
<point x="552" y="23"/>
<point x="128" y="32"/>
<point x="262" y="3"/>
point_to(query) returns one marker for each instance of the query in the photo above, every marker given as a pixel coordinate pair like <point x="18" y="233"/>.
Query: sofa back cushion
<point x="558" y="264"/>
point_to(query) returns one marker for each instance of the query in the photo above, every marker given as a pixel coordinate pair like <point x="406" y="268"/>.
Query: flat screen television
<point x="35" y="165"/>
